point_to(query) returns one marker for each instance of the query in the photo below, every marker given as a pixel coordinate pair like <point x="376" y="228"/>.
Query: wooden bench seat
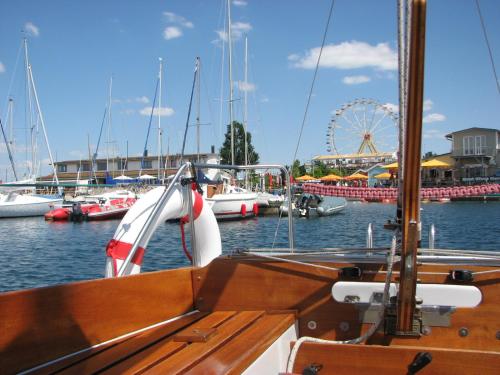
<point x="217" y="342"/>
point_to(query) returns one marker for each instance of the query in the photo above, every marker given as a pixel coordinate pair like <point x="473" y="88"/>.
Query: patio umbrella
<point x="383" y="176"/>
<point x="356" y="176"/>
<point x="331" y="177"/>
<point x="391" y="166"/>
<point x="123" y="178"/>
<point x="435" y="163"/>
<point x="305" y="177"/>
<point x="146" y="177"/>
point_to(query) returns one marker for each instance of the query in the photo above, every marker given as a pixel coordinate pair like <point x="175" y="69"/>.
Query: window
<point x="62" y="167"/>
<point x="122" y="164"/>
<point x="85" y="167"/>
<point x="101" y="166"/>
<point x="469" y="145"/>
<point x="147" y="164"/>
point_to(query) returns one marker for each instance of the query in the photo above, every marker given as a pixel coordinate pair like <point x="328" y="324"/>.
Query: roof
<point x="469" y="129"/>
<point x="135" y="158"/>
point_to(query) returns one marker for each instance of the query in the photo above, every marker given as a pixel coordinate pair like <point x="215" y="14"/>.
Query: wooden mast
<point x="411" y="182"/>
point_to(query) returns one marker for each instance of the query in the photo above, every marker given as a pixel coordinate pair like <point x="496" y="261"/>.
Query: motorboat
<point x="308" y="205"/>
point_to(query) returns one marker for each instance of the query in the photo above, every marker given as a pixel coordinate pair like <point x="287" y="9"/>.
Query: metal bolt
<point x="198" y="278"/>
<point x="344" y="326"/>
<point x="426" y="330"/>
<point x="463" y="332"/>
<point x="498" y="335"/>
<point x="312" y="325"/>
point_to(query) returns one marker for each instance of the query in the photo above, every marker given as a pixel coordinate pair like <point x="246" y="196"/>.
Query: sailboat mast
<point x="411" y="183"/>
<point x="198" y="69"/>
<point x="230" y="79"/>
<point x="10" y="141"/>
<point x="109" y="123"/>
<point x="30" y="110"/>
<point x="159" y="119"/>
<point x="9" y="152"/>
<point x="43" y="124"/>
<point x="245" y="112"/>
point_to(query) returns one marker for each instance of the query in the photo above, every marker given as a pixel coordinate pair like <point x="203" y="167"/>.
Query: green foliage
<point x="298" y="169"/>
<point x="239" y="146"/>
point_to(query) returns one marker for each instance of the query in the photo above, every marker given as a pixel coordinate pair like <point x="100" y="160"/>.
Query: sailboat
<point x="344" y="311"/>
<point x="18" y="200"/>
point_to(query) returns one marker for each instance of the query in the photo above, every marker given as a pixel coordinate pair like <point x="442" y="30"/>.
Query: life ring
<point x="206" y="231"/>
<point x="243" y="210"/>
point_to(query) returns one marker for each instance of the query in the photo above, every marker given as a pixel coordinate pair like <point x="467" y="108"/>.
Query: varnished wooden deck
<point x="221" y="342"/>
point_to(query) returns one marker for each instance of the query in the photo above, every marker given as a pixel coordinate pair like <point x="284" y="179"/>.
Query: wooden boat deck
<point x="222" y="342"/>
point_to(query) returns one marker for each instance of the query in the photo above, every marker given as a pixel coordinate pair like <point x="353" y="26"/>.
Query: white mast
<point x="109" y="123"/>
<point x="245" y="112"/>
<point x="159" y="120"/>
<point x="10" y="116"/>
<point x="30" y="109"/>
<point x="43" y="124"/>
<point x="230" y="80"/>
<point x="198" y="72"/>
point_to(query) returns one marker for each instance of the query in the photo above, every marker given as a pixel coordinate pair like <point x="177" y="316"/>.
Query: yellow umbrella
<point x="305" y="177"/>
<point x="435" y="163"/>
<point x="383" y="176"/>
<point x="331" y="177"/>
<point x="391" y="166"/>
<point x="356" y="176"/>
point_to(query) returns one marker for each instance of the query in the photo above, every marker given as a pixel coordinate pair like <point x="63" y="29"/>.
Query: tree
<point x="239" y="146"/>
<point x="298" y="169"/>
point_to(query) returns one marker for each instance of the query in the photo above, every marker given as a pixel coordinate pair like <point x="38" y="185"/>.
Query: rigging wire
<point x="488" y="45"/>
<point x="149" y="126"/>
<point x="314" y="79"/>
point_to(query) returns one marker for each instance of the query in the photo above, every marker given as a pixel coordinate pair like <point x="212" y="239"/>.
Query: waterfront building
<point x="352" y="162"/>
<point x="476" y="153"/>
<point x="70" y="170"/>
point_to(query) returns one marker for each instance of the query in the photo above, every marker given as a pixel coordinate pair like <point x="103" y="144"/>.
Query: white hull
<point x="26" y="205"/>
<point x="229" y="206"/>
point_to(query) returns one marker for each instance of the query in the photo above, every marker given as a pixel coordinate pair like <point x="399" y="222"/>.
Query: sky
<point x="75" y="47"/>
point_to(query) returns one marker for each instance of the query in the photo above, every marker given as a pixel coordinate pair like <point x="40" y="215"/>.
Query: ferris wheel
<point x="363" y="126"/>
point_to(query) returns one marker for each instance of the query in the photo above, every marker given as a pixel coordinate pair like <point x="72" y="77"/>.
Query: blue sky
<point x="75" y="47"/>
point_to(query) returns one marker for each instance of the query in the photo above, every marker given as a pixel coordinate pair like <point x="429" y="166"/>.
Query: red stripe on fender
<point x="119" y="250"/>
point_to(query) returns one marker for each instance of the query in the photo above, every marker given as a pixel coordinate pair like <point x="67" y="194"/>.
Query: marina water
<point x="37" y="253"/>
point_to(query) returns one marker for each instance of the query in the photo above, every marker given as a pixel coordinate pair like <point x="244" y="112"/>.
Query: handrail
<point x="291" y="241"/>
<point x="156" y="209"/>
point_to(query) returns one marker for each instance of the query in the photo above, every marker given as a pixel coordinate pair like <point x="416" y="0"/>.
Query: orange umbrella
<point x="391" y="166"/>
<point x="331" y="177"/>
<point x="305" y="177"/>
<point x="383" y="176"/>
<point x="356" y="176"/>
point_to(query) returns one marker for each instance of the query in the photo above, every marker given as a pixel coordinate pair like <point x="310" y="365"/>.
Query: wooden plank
<point x="42" y="324"/>
<point x="185" y="359"/>
<point x="374" y="359"/>
<point x="162" y="350"/>
<point x="244" y="349"/>
<point x="107" y="356"/>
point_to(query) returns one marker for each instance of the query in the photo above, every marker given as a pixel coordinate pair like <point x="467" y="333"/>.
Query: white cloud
<point x="264" y="99"/>
<point x="293" y="57"/>
<point x="240" y="3"/>
<point x="246" y="86"/>
<point x="433" y="117"/>
<point x="428" y="105"/>
<point x="178" y="20"/>
<point x="350" y="55"/>
<point x="2" y="67"/>
<point x="31" y="29"/>
<point x="142" y="99"/>
<point x="172" y="32"/>
<point x="355" y="80"/>
<point x="163" y="111"/>
<point x="392" y="107"/>
<point x="237" y="31"/>
<point x="128" y="112"/>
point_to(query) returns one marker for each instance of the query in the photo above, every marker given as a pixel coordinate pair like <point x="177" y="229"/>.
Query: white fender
<point x="206" y="229"/>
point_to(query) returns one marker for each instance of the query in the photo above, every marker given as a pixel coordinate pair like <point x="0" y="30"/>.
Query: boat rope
<point x="183" y="240"/>
<point x="189" y="109"/>
<point x="488" y="45"/>
<point x="149" y="126"/>
<point x="367" y="334"/>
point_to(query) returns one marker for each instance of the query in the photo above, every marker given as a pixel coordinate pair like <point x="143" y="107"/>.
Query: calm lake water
<point x="37" y="253"/>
